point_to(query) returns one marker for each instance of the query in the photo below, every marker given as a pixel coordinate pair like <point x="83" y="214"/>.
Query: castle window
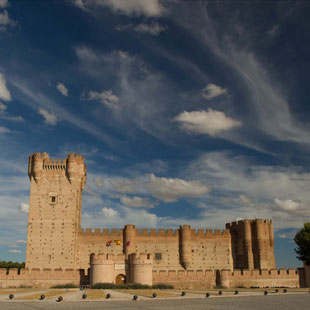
<point x="53" y="197"/>
<point x="157" y="256"/>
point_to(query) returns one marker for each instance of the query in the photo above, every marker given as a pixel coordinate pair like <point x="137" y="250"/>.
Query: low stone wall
<point x="190" y="279"/>
<point x="206" y="279"/>
<point x="260" y="278"/>
<point x="180" y="279"/>
<point x="45" y="278"/>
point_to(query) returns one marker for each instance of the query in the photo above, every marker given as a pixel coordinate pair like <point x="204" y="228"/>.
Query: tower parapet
<point x="73" y="166"/>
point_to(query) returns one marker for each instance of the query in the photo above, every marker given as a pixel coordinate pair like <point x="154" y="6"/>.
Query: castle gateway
<point x="59" y="251"/>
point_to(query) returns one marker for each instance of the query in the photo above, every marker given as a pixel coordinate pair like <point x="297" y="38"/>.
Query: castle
<point x="60" y="251"/>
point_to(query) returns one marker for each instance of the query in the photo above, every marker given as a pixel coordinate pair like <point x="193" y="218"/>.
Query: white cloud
<point x="34" y="98"/>
<point x="49" y="118"/>
<point x="5" y="21"/>
<point x="62" y="89"/>
<point x="117" y="219"/>
<point x="153" y="28"/>
<point x="106" y="97"/>
<point x="2" y="106"/>
<point x="125" y="186"/>
<point x="206" y="122"/>
<point x="136" y="202"/>
<point x="4" y="92"/>
<point x="211" y="91"/>
<point x="110" y="213"/>
<point x="4" y="115"/>
<point x="149" y="8"/>
<point x="4" y="130"/>
<point x="282" y="193"/>
<point x="24" y="207"/>
<point x="245" y="200"/>
<point x="21" y="241"/>
<point x="287" y="205"/>
<point x="15" y="251"/>
<point x="4" y="4"/>
<point x="170" y="190"/>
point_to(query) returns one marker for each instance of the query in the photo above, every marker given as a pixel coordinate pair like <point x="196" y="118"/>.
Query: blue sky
<point x="186" y="111"/>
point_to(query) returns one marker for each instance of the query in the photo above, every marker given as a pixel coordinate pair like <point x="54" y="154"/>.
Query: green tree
<point x="302" y="239"/>
<point x="8" y="265"/>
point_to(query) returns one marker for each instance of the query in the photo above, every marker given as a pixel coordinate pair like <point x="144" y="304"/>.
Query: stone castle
<point x="60" y="251"/>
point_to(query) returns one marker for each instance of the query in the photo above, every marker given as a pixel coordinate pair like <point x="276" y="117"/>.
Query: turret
<point x="71" y="170"/>
<point x="141" y="268"/>
<point x="102" y="268"/>
<point x="35" y="166"/>
<point x="129" y="234"/>
<point x="185" y="246"/>
<point x="248" y="245"/>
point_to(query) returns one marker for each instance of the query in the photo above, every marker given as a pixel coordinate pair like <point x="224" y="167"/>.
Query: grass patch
<point x="68" y="285"/>
<point x="48" y="294"/>
<point x="149" y="293"/>
<point x="95" y="294"/>
<point x="16" y="290"/>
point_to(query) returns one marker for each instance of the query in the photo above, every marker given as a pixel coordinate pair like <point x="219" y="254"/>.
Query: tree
<point x="8" y="265"/>
<point x="302" y="239"/>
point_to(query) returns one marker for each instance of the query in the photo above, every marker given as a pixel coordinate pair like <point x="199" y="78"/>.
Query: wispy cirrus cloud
<point x="5" y="20"/>
<point x="153" y="28"/>
<point x="264" y="98"/>
<point x="106" y="97"/>
<point x="15" y="251"/>
<point x="36" y="100"/>
<point x="4" y="130"/>
<point x="5" y="95"/>
<point x="149" y="8"/>
<point x="4" y="4"/>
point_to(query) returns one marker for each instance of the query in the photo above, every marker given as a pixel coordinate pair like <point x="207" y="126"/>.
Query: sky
<point x="187" y="112"/>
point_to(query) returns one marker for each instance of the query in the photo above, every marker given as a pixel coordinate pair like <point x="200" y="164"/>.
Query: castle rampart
<point x="60" y="251"/>
<point x="44" y="278"/>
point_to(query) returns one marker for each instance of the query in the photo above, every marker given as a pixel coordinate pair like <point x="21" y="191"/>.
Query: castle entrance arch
<point x="120" y="279"/>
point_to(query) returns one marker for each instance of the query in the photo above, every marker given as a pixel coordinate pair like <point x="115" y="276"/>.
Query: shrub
<point x="134" y="286"/>
<point x="68" y="285"/>
<point x="163" y="286"/>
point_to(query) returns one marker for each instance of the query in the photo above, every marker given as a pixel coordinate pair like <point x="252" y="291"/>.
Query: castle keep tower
<point x="54" y="210"/>
<point x="252" y="244"/>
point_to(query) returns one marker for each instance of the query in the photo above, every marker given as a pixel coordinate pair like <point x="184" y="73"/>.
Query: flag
<point x="117" y="242"/>
<point x="128" y="243"/>
<point x="109" y="243"/>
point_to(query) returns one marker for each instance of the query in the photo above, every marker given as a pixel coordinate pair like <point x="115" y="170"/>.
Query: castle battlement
<point x="141" y="259"/>
<point x="113" y="232"/>
<point x="242" y="222"/>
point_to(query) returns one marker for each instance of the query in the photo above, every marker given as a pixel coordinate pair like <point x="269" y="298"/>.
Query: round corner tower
<point x="141" y="267"/>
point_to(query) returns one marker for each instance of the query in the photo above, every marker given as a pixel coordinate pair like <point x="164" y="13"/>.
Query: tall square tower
<point x="54" y="210"/>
